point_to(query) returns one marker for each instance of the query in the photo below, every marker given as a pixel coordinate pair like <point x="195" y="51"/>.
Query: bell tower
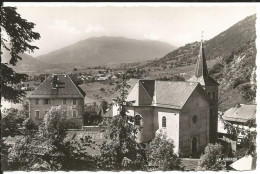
<point x="211" y="87"/>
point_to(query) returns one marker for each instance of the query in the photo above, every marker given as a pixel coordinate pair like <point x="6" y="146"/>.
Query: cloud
<point x="151" y="36"/>
<point x="94" y="28"/>
<point x="63" y="26"/>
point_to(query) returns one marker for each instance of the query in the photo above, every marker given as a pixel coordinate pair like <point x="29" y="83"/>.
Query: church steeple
<point x="201" y="65"/>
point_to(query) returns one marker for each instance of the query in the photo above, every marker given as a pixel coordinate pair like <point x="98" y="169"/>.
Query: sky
<point x="62" y="26"/>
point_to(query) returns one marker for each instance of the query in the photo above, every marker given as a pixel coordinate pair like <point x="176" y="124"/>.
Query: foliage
<point x="29" y="125"/>
<point x="104" y="105"/>
<point x="76" y="80"/>
<point x="247" y="91"/>
<point x="12" y="120"/>
<point x="248" y="144"/>
<point x="160" y="153"/>
<point x="211" y="159"/>
<point x="16" y="35"/>
<point x="216" y="68"/>
<point x="175" y="77"/>
<point x="44" y="149"/>
<point x="121" y="151"/>
<point x="91" y="115"/>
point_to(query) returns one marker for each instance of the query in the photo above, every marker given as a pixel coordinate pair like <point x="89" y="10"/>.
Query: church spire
<point x="201" y="65"/>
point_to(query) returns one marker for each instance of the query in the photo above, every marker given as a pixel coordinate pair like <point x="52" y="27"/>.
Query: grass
<point x="94" y="94"/>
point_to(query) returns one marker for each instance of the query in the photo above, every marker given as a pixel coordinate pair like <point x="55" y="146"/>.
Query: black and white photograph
<point x="129" y="86"/>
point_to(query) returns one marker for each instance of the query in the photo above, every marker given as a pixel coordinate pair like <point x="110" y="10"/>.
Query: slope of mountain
<point x="107" y="50"/>
<point x="28" y="64"/>
<point x="234" y="52"/>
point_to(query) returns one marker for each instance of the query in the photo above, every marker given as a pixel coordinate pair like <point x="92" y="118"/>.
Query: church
<point x="186" y="111"/>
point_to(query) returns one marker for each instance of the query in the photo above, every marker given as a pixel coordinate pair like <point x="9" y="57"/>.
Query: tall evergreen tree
<point x="121" y="151"/>
<point x="16" y="36"/>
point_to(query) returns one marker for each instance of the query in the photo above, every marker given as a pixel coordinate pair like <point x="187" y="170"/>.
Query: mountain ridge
<point x="101" y="50"/>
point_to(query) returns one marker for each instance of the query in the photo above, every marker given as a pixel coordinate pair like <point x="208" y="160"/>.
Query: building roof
<point x="170" y="94"/>
<point x="50" y="88"/>
<point x="201" y="65"/>
<point x="201" y="71"/>
<point x="240" y="113"/>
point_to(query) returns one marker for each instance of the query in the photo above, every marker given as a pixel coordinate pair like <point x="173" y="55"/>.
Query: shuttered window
<point x="37" y="114"/>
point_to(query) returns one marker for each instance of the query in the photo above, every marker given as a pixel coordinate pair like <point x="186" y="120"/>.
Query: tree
<point x="211" y="159"/>
<point x="160" y="153"/>
<point x="45" y="149"/>
<point x="16" y="35"/>
<point x="121" y="151"/>
<point x="248" y="131"/>
<point x="12" y="120"/>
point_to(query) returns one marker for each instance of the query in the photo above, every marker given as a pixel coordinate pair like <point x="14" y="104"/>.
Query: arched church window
<point x="137" y="120"/>
<point x="209" y="94"/>
<point x="214" y="95"/>
<point x="163" y="121"/>
<point x="194" y="119"/>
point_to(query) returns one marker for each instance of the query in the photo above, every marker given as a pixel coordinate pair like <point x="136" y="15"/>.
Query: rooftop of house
<point x="58" y="86"/>
<point x="240" y="113"/>
<point x="170" y="94"/>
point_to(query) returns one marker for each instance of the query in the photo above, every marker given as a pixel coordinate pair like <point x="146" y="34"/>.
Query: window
<point x="137" y="120"/>
<point x="163" y="121"/>
<point x="37" y="114"/>
<point x="37" y="102"/>
<point x="65" y="113"/>
<point x="214" y="95"/>
<point x="74" y="101"/>
<point x="74" y="114"/>
<point x="46" y="112"/>
<point x="194" y="119"/>
<point x="64" y="101"/>
<point x="209" y="94"/>
<point x="46" y="101"/>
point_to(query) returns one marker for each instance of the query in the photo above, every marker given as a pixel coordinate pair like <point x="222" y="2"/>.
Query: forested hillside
<point x="233" y="53"/>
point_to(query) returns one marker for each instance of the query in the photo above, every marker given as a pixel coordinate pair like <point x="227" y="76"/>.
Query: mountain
<point x="28" y="64"/>
<point x="233" y="53"/>
<point x="107" y="50"/>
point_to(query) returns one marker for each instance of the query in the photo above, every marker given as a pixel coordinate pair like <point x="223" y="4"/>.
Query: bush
<point x="211" y="159"/>
<point x="12" y="120"/>
<point x="237" y="82"/>
<point x="216" y="68"/>
<point x="28" y="124"/>
<point x="160" y="153"/>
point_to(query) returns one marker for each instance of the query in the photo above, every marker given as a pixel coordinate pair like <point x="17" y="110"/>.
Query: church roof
<point x="201" y="71"/>
<point x="170" y="94"/>
<point x="240" y="113"/>
<point x="201" y="65"/>
<point x="58" y="86"/>
<point x="173" y="94"/>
